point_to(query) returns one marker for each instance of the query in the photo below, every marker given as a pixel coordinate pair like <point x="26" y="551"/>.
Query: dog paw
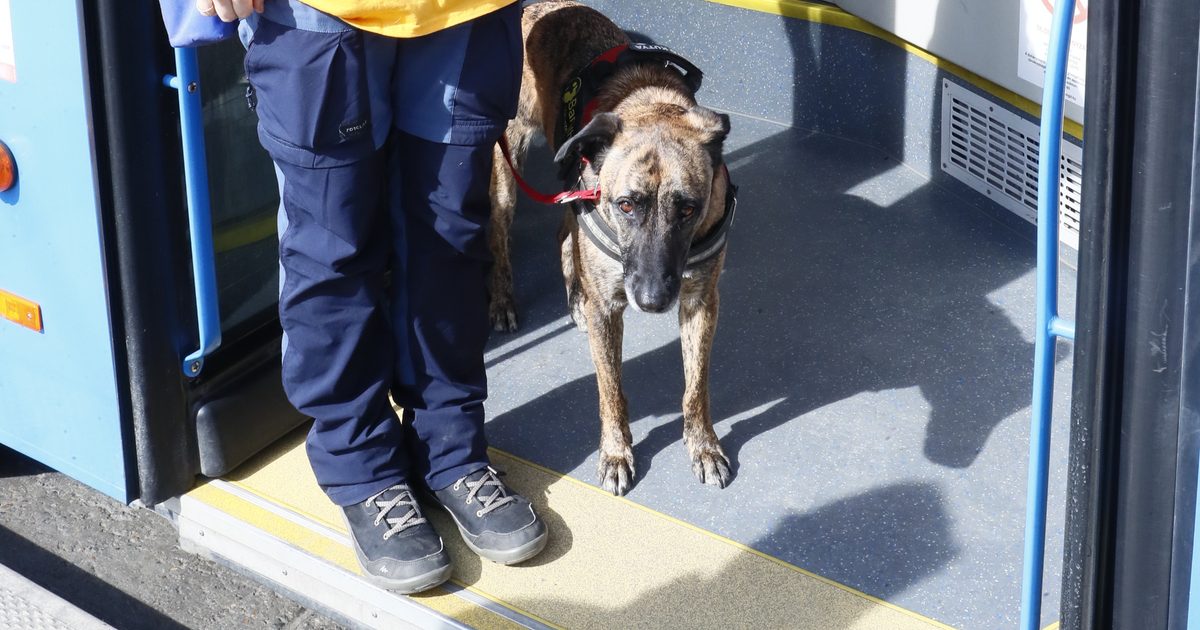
<point x="616" y="472"/>
<point x="711" y="466"/>
<point x="503" y="317"/>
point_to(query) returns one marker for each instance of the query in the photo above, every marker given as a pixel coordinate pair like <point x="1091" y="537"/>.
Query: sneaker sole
<point x="507" y="557"/>
<point x="512" y="556"/>
<point x="411" y="586"/>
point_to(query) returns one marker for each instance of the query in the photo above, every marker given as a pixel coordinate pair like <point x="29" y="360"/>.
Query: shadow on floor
<point x="14" y="464"/>
<point x="904" y="525"/>
<point x="826" y="295"/>
<point x="95" y="596"/>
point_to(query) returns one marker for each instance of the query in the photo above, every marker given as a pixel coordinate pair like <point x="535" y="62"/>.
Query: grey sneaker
<point x="495" y="522"/>
<point x="397" y="548"/>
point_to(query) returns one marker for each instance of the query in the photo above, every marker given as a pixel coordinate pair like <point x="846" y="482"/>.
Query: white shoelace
<point x="492" y="501"/>
<point x="404" y="497"/>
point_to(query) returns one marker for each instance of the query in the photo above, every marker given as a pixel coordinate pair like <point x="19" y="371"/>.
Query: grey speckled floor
<point x="871" y="379"/>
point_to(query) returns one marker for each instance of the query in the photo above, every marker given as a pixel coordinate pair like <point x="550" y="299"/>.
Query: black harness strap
<point x="708" y="247"/>
<point x="579" y="95"/>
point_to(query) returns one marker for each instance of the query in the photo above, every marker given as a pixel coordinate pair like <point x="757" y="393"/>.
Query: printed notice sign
<point x="8" y="57"/>
<point x="1034" y="43"/>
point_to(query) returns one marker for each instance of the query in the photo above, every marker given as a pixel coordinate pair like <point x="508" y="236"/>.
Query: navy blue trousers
<point x="384" y="148"/>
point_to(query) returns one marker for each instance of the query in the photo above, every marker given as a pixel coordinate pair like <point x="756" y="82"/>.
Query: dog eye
<point x="625" y="205"/>
<point x="687" y="211"/>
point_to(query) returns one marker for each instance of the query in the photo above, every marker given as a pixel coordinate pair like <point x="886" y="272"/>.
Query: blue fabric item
<point x="460" y="85"/>
<point x="441" y="206"/>
<point x="337" y="366"/>
<point x="327" y="119"/>
<point x="186" y="28"/>
<point x="295" y="14"/>
<point x="355" y="206"/>
<point x="380" y="53"/>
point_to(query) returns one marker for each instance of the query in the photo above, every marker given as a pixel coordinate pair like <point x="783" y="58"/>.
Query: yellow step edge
<point x="593" y="572"/>
<point x="834" y="16"/>
<point x="340" y="555"/>
<point x="728" y="541"/>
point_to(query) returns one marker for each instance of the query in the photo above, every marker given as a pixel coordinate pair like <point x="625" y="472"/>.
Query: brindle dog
<point x="657" y="157"/>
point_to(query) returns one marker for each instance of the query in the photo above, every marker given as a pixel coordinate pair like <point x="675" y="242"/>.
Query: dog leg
<point x="616" y="443"/>
<point x="697" y="325"/>
<point x="502" y="310"/>
<point x="570" y="266"/>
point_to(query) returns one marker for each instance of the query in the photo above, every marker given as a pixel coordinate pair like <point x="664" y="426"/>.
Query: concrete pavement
<point x="123" y="565"/>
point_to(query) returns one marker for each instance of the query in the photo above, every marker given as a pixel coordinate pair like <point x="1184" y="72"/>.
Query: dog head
<point x="656" y="168"/>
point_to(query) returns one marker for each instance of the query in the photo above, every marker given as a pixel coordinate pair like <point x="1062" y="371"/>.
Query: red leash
<point x="592" y="194"/>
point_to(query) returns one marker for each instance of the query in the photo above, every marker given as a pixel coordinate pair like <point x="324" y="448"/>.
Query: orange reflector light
<point x="8" y="168"/>
<point x="20" y="311"/>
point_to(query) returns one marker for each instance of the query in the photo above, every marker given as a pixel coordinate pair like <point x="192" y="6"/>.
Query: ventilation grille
<point x="995" y="152"/>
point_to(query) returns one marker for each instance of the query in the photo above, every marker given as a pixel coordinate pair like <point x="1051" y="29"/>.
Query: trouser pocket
<point x="313" y="102"/>
<point x="490" y="83"/>
<point x="461" y="85"/>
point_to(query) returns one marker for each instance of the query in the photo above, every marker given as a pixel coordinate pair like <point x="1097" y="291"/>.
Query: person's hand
<point x="229" y="10"/>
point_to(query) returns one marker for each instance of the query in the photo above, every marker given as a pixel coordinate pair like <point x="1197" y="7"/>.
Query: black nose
<point x="653" y="299"/>
<point x="656" y="297"/>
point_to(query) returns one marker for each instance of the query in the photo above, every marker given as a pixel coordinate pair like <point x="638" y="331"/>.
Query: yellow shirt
<point x="406" y="18"/>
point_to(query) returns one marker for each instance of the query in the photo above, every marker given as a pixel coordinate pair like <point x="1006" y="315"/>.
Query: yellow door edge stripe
<point x="216" y="497"/>
<point x="249" y="489"/>
<point x="722" y="539"/>
<point x="519" y="611"/>
<point x="833" y="16"/>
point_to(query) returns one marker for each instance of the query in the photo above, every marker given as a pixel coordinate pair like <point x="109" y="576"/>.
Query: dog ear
<point x="714" y="128"/>
<point x="596" y="136"/>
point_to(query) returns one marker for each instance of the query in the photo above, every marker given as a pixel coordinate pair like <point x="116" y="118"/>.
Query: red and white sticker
<point x="8" y="57"/>
<point x="1035" y="41"/>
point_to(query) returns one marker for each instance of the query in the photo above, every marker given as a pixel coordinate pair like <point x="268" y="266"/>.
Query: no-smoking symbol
<point x="1080" y="9"/>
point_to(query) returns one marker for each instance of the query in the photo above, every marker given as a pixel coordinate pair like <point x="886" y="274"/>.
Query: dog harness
<point x="583" y="88"/>
<point x="586" y="84"/>
<point x="601" y="234"/>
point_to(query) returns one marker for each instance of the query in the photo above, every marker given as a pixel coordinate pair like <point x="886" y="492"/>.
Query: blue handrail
<point x="195" y="174"/>
<point x="1049" y="324"/>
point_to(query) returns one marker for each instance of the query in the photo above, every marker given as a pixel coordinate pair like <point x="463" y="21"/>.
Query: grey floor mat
<point x="871" y="379"/>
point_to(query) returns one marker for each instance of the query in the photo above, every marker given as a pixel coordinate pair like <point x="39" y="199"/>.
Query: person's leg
<point x="444" y="196"/>
<point x="455" y="92"/>
<point x="338" y="361"/>
<point x="312" y="90"/>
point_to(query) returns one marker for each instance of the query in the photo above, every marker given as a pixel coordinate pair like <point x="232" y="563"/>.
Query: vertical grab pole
<point x="1049" y="325"/>
<point x="195" y="174"/>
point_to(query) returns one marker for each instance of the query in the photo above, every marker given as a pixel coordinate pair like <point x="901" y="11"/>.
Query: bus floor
<point x="871" y="379"/>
